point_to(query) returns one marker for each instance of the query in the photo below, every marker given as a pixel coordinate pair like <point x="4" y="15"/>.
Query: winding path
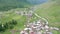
<point x="36" y="7"/>
<point x="41" y="17"/>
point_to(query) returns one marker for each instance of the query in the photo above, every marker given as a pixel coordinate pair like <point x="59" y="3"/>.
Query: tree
<point x="2" y="28"/>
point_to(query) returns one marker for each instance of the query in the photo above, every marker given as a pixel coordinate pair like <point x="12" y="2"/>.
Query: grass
<point x="50" y="11"/>
<point x="21" y="20"/>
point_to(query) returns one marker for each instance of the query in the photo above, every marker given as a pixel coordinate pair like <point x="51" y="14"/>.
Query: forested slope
<point x="10" y="4"/>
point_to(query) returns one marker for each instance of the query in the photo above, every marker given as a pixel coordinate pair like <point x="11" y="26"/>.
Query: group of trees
<point x="7" y="25"/>
<point x="12" y="4"/>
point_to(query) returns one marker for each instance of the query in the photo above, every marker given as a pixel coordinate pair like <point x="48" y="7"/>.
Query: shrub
<point x="2" y="28"/>
<point x="8" y="25"/>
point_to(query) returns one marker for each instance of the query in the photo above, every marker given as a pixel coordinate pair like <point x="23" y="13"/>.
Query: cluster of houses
<point x="38" y="27"/>
<point x="26" y="11"/>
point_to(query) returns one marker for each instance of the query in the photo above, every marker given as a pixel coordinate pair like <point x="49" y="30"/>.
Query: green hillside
<point x="12" y="4"/>
<point x="8" y="18"/>
<point x="51" y="11"/>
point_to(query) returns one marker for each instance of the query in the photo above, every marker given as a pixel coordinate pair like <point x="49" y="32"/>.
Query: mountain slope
<point x="50" y="11"/>
<point x="11" y="4"/>
<point x="37" y="1"/>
